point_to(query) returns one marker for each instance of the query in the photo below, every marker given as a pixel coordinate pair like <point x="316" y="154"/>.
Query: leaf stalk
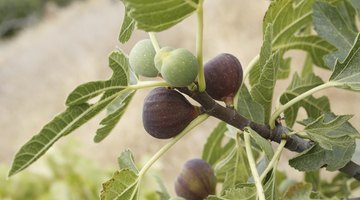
<point x="199" y="46"/>
<point x="252" y="164"/>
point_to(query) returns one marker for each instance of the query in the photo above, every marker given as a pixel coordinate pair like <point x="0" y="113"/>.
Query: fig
<point x="179" y="67"/>
<point x="223" y="76"/>
<point x="141" y="59"/>
<point x="166" y="113"/>
<point x="196" y="181"/>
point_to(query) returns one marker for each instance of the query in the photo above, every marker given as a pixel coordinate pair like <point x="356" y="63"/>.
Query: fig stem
<point x="252" y="164"/>
<point x="166" y="147"/>
<point x="154" y="41"/>
<point x="274" y="160"/>
<point x="199" y="46"/>
<point x="290" y="103"/>
<point x="251" y="65"/>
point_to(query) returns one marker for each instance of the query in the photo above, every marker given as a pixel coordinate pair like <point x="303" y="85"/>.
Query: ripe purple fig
<point x="166" y="113"/>
<point x="223" y="76"/>
<point x="196" y="181"/>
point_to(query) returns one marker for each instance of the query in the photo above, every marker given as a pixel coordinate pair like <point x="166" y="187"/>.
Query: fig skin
<point x="166" y="113"/>
<point x="223" y="76"/>
<point x="196" y="181"/>
<point x="141" y="58"/>
<point x="179" y="67"/>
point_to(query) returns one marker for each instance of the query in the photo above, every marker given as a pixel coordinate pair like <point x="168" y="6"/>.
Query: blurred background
<point x="48" y="47"/>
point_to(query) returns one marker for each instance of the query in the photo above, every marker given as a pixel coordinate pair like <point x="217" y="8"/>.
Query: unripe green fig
<point x="166" y="113"/>
<point x="178" y="67"/>
<point x="141" y="59"/>
<point x="223" y="76"/>
<point x="196" y="181"/>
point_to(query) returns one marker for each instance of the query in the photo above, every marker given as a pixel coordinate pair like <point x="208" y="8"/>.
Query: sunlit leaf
<point x="126" y="161"/>
<point x="118" y="62"/>
<point x="156" y="16"/>
<point x="122" y="186"/>
<point x="61" y="125"/>
<point x="127" y="27"/>
<point x="116" y="109"/>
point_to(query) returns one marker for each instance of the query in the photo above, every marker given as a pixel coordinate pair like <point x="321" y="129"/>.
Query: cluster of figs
<point x="166" y="112"/>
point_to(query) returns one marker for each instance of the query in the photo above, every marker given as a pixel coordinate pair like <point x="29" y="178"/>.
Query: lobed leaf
<point x="329" y="130"/>
<point x="127" y="27"/>
<point x="347" y="73"/>
<point x="262" y="91"/>
<point x="336" y="143"/>
<point x="156" y="16"/>
<point x="248" y="107"/>
<point x="116" y="109"/>
<point x="126" y="161"/>
<point x="289" y="19"/>
<point x="317" y="157"/>
<point x="63" y="124"/>
<point x="118" y="62"/>
<point x="314" y="107"/>
<point x="122" y="186"/>
<point x="331" y="24"/>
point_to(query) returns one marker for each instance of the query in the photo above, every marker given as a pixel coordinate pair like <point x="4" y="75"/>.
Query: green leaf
<point x="233" y="168"/>
<point x="284" y="68"/>
<point x="127" y="27"/>
<point x="50" y="133"/>
<point x="299" y="191"/>
<point x="314" y="45"/>
<point x="289" y="18"/>
<point x="245" y="193"/>
<point x="262" y="91"/>
<point x="329" y="130"/>
<point x="163" y="193"/>
<point x="126" y="161"/>
<point x="156" y="16"/>
<point x="308" y="67"/>
<point x="116" y="109"/>
<point x="356" y="5"/>
<point x="264" y="144"/>
<point x="63" y="124"/>
<point x="122" y="186"/>
<point x="313" y="177"/>
<point x="317" y="157"/>
<point x="347" y="73"/>
<point x="331" y="24"/>
<point x="314" y="107"/>
<point x="213" y="149"/>
<point x="248" y="107"/>
<point x="340" y="139"/>
<point x="119" y="63"/>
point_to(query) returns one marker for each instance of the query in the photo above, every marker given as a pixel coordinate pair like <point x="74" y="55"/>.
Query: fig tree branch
<point x="232" y="117"/>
